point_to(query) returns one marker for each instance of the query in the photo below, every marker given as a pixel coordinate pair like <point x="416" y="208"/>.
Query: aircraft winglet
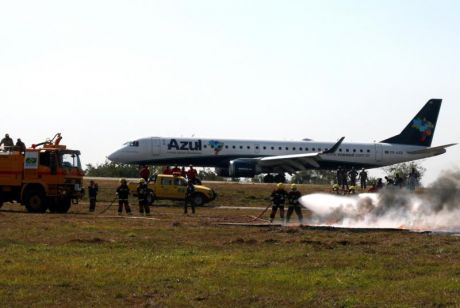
<point x="334" y="147"/>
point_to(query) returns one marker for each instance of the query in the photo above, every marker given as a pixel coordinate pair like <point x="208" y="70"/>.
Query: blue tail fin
<point x="420" y="129"/>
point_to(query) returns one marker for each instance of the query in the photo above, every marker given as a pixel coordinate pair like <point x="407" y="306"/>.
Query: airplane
<point x="246" y="158"/>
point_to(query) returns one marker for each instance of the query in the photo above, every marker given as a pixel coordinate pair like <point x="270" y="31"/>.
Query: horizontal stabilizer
<point x="433" y="151"/>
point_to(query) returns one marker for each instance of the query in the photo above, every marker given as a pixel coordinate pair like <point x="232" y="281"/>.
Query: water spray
<point x="436" y="209"/>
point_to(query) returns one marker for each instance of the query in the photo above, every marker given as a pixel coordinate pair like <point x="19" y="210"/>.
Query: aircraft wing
<point x="295" y="162"/>
<point x="434" y="150"/>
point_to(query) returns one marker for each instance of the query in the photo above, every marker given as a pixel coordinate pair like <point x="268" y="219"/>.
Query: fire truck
<point x="46" y="176"/>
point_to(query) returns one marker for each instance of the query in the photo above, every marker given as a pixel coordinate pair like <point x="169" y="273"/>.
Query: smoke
<point x="437" y="209"/>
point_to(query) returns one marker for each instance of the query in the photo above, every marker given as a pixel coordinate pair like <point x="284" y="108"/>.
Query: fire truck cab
<point x="47" y="176"/>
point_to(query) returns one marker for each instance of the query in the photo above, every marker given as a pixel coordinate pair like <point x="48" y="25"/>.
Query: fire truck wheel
<point x="52" y="205"/>
<point x="34" y="201"/>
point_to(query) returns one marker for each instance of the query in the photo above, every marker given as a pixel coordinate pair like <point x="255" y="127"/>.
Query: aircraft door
<point x="156" y="146"/>
<point x="378" y="153"/>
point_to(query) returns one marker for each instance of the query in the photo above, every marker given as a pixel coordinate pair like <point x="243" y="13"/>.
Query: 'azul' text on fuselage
<point x="184" y="145"/>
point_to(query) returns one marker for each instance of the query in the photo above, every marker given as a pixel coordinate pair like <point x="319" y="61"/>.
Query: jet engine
<point x="243" y="168"/>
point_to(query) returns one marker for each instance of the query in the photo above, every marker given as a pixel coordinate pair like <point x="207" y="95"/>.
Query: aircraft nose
<point x="113" y="157"/>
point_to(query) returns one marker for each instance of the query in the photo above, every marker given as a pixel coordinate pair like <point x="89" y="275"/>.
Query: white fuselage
<point x="219" y="152"/>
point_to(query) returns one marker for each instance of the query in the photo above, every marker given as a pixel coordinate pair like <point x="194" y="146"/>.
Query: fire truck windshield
<point x="70" y="160"/>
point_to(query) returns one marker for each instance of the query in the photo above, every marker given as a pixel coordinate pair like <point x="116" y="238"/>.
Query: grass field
<point x="81" y="259"/>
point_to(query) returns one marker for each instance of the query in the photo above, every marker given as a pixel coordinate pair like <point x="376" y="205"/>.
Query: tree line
<point x="111" y="169"/>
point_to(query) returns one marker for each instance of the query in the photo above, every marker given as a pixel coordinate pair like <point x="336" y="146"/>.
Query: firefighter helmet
<point x="280" y="186"/>
<point x="293" y="186"/>
<point x="141" y="181"/>
<point x="123" y="181"/>
<point x="351" y="190"/>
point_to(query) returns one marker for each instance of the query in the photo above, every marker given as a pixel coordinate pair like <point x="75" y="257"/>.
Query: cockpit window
<point x="132" y="143"/>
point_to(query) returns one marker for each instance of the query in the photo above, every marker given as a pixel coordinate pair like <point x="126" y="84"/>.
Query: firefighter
<point x="188" y="197"/>
<point x="344" y="179"/>
<point x="377" y="186"/>
<point x="294" y="205"/>
<point x="93" y="188"/>
<point x="339" y="176"/>
<point x="142" y="193"/>
<point x="145" y="173"/>
<point x="352" y="174"/>
<point x="399" y="181"/>
<point x="278" y="197"/>
<point x="363" y="178"/>
<point x="20" y="146"/>
<point x="123" y="193"/>
<point x="389" y="181"/>
<point x="413" y="179"/>
<point x="351" y="190"/>
<point x="7" y="141"/>
<point x="336" y="189"/>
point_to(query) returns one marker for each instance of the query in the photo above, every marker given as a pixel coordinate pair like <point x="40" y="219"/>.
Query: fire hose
<point x="108" y="207"/>
<point x="262" y="213"/>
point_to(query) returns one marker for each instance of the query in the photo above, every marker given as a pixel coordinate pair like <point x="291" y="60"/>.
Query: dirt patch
<point x="326" y="244"/>
<point x="241" y="240"/>
<point x="95" y="240"/>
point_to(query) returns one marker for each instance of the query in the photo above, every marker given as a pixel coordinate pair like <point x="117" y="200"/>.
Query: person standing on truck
<point x="20" y="146"/>
<point x="176" y="170"/>
<point x="278" y="197"/>
<point x="189" y="197"/>
<point x="123" y="193"/>
<point x="7" y="141"/>
<point x="294" y="205"/>
<point x="145" y="173"/>
<point x="142" y="193"/>
<point x="92" y="194"/>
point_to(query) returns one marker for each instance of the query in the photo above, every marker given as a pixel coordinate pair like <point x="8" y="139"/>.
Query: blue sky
<point x="104" y="72"/>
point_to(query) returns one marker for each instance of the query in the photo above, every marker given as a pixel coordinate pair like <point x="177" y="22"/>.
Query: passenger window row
<point x="293" y="148"/>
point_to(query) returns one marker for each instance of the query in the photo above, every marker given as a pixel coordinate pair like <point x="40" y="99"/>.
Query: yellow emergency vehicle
<point x="172" y="187"/>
